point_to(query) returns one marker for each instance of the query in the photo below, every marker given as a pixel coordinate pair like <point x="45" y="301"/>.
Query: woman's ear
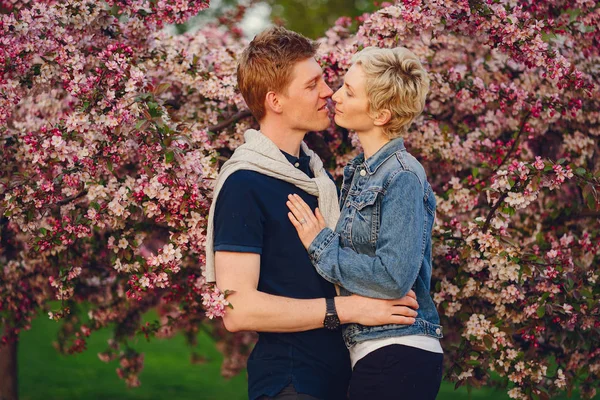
<point x="272" y="102"/>
<point x="382" y="117"/>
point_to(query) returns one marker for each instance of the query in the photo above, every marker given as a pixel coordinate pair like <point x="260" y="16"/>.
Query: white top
<point x="427" y="343"/>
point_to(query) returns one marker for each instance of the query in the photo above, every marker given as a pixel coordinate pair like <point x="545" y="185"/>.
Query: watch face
<point x="331" y="322"/>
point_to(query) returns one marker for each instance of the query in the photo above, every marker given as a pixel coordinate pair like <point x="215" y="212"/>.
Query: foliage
<point x="313" y="17"/>
<point x="510" y="141"/>
<point x="112" y="129"/>
<point x="108" y="150"/>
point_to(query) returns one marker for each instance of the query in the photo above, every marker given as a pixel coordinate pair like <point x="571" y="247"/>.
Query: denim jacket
<point x="381" y="246"/>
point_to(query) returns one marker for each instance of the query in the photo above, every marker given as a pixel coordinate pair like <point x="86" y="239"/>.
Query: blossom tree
<point x="510" y="141"/>
<point x="108" y="145"/>
<point x="113" y="130"/>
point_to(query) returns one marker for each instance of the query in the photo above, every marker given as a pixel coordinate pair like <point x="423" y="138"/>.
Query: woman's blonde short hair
<point x="396" y="81"/>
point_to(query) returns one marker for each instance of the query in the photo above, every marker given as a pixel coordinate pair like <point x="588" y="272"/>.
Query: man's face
<point x="305" y="102"/>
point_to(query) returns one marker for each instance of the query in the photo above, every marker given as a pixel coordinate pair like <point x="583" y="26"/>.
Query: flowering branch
<point x="490" y="215"/>
<point x="233" y="119"/>
<point x="516" y="140"/>
<point x="71" y="198"/>
<point x="88" y="102"/>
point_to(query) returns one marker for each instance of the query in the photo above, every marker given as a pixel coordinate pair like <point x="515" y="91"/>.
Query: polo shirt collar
<point x="293" y="159"/>
<point x="302" y="162"/>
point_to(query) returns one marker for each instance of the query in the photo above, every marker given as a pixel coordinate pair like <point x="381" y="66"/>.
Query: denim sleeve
<point x="393" y="270"/>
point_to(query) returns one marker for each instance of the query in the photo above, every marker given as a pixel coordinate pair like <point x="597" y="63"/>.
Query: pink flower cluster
<point x="113" y="131"/>
<point x="508" y="138"/>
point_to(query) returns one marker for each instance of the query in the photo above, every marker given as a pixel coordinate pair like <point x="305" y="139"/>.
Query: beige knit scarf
<point x="260" y="154"/>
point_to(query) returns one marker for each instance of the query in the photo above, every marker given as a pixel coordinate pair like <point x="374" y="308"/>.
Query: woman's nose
<point x="336" y="96"/>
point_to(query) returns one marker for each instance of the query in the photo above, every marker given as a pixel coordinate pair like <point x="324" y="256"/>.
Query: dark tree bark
<point x="9" y="389"/>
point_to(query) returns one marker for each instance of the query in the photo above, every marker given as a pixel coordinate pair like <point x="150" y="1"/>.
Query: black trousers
<point x="289" y="393"/>
<point x="397" y="372"/>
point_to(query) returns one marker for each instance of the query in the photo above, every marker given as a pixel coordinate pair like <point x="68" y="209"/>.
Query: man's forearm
<point x="254" y="310"/>
<point x="262" y="312"/>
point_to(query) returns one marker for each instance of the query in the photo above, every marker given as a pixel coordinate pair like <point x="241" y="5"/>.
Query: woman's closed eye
<point x="348" y="90"/>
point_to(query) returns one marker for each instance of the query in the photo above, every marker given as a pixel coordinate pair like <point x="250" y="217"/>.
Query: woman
<point x="382" y="243"/>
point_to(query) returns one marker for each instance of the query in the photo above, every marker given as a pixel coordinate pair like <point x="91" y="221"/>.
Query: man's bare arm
<point x="257" y="311"/>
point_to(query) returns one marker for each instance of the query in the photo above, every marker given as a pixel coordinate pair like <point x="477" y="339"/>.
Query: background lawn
<point x="44" y="374"/>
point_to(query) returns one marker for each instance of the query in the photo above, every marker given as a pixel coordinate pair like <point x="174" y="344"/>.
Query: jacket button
<point x="438" y="331"/>
<point x="297" y="165"/>
<point x="363" y="172"/>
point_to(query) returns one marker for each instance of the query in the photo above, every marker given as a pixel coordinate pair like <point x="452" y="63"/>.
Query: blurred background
<point x="171" y="368"/>
<point x="309" y="17"/>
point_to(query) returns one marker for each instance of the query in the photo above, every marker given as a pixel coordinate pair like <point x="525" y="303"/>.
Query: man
<point x="257" y="254"/>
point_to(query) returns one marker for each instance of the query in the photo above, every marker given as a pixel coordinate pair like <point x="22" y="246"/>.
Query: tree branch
<point x="70" y="199"/>
<point x="490" y="215"/>
<point x="442" y="237"/>
<point x="233" y="119"/>
<point x="514" y="145"/>
<point x="488" y="219"/>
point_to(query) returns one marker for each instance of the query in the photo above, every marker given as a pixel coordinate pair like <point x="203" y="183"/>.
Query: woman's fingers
<point x="305" y="208"/>
<point x="294" y="221"/>
<point x="303" y="214"/>
<point x="296" y="211"/>
<point x="320" y="218"/>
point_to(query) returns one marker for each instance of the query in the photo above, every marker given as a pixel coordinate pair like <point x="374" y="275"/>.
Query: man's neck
<point x="287" y="140"/>
<point x="372" y="141"/>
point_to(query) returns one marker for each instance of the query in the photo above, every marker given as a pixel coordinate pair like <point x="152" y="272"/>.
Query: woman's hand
<point x="307" y="224"/>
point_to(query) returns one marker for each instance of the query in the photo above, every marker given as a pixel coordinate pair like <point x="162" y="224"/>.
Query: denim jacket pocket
<point x="365" y="221"/>
<point x="364" y="199"/>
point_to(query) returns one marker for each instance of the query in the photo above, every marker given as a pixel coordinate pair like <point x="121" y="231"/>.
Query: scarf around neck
<point x="261" y="155"/>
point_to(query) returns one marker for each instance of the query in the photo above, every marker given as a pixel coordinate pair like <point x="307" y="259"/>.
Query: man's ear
<point x="272" y="102"/>
<point x="382" y="117"/>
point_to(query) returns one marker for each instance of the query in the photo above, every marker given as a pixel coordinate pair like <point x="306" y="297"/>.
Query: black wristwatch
<point x="331" y="320"/>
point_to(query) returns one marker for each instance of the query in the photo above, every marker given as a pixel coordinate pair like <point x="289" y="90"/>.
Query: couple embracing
<point x="338" y="290"/>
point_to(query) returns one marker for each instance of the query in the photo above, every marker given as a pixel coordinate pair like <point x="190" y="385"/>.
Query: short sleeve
<point x="238" y="220"/>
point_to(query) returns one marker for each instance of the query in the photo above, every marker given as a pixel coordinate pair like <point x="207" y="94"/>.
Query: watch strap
<point x="330" y="302"/>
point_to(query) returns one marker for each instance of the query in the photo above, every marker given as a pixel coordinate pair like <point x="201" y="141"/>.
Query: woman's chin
<point x="339" y="121"/>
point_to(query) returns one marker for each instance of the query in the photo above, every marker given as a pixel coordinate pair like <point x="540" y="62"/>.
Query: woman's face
<point x="352" y="103"/>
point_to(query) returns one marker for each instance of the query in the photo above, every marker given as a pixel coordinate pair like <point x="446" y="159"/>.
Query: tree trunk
<point x="9" y="389"/>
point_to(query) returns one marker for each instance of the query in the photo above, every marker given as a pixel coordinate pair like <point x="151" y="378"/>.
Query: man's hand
<point x="372" y="312"/>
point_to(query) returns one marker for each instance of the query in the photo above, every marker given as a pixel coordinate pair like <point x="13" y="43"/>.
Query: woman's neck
<point x="372" y="141"/>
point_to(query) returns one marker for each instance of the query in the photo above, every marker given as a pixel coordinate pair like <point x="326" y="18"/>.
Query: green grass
<point x="44" y="374"/>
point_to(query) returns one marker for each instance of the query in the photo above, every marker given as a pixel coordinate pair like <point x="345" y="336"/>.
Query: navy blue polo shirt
<point x="251" y="216"/>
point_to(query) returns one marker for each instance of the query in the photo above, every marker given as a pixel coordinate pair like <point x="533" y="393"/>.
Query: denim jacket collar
<point x="375" y="161"/>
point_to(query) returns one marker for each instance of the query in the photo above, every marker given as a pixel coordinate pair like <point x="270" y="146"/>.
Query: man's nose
<point x="327" y="92"/>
